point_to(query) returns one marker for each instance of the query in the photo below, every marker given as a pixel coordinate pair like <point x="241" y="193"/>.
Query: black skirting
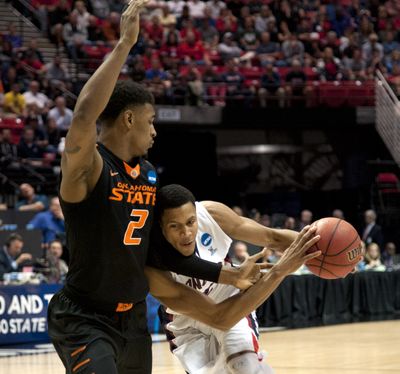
<point x="307" y="300"/>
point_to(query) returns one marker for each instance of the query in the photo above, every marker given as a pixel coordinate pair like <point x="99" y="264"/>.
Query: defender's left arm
<point x="248" y="230"/>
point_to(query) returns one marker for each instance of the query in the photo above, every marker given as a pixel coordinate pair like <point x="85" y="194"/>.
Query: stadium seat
<point x="217" y="94"/>
<point x="358" y="94"/>
<point x="332" y="95"/>
<point x="388" y="189"/>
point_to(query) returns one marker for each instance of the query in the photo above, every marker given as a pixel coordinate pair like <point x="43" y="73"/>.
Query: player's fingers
<point x="306" y="236"/>
<point x="265" y="265"/>
<point x="310" y="242"/>
<point x="134" y="6"/>
<point x="258" y="255"/>
<point x="304" y="232"/>
<point x="301" y="233"/>
<point x="312" y="255"/>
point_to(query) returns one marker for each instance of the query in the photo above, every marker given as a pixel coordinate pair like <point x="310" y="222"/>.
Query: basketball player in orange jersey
<point x="206" y="228"/>
<point x="97" y="322"/>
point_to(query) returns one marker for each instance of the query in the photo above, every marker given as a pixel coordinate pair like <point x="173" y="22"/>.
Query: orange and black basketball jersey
<point x="108" y="234"/>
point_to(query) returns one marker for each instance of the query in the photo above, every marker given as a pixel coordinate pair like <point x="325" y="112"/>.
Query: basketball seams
<point x="345" y="249"/>
<point x="333" y="264"/>
<point x="327" y="270"/>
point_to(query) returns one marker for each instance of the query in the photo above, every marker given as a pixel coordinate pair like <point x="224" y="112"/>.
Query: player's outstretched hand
<point x="250" y="271"/>
<point x="130" y="21"/>
<point x="296" y="255"/>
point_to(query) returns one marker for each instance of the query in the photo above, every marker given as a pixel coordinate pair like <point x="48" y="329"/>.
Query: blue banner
<point x="23" y="313"/>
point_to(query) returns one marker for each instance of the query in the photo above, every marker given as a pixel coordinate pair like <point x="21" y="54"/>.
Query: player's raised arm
<point x="248" y="230"/>
<point x="81" y="164"/>
<point x="224" y="315"/>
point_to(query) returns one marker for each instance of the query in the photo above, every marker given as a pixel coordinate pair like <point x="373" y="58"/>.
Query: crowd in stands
<point x="258" y="52"/>
<point x="195" y="52"/>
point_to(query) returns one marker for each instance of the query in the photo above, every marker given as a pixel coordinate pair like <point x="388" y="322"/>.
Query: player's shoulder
<point x="212" y="207"/>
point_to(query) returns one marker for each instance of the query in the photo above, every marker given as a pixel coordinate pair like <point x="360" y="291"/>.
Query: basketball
<point x="340" y="246"/>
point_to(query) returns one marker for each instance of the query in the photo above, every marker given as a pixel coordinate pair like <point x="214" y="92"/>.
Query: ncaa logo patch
<point x="152" y="177"/>
<point x="206" y="239"/>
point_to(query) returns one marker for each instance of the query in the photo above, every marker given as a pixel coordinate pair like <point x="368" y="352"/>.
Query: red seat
<point x="388" y="190"/>
<point x="333" y="95"/>
<point x="359" y="94"/>
<point x="16" y="126"/>
<point x="387" y="178"/>
<point x="252" y="72"/>
<point x="283" y="71"/>
<point x="217" y="94"/>
<point x="311" y="73"/>
<point x="11" y="123"/>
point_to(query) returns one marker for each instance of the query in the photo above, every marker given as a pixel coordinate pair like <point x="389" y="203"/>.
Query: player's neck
<point x="118" y="145"/>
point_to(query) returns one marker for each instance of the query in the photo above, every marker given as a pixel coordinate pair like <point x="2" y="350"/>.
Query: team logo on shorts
<point x="206" y="239"/>
<point x="152" y="177"/>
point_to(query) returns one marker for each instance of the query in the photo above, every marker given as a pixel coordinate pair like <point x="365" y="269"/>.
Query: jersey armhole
<point x="89" y="197"/>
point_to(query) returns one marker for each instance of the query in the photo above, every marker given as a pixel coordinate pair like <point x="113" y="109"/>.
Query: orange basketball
<point x="340" y="246"/>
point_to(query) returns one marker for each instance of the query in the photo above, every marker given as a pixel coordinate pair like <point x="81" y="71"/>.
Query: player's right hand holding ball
<point x="296" y="255"/>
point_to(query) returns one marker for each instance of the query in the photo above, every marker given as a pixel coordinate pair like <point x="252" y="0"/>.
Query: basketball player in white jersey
<point x="206" y="228"/>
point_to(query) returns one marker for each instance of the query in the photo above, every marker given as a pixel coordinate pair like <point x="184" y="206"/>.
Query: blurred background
<point x="287" y="111"/>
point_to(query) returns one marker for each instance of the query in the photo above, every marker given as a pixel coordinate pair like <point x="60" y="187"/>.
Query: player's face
<point x="179" y="226"/>
<point x="143" y="131"/>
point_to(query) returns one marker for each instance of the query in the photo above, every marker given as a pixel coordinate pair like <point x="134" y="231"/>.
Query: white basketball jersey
<point x="212" y="244"/>
<point x="200" y="348"/>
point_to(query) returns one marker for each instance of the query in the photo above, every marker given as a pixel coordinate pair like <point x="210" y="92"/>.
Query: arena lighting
<point x="271" y="149"/>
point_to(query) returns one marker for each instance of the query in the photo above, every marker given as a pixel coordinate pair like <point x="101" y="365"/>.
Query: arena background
<point x="330" y="142"/>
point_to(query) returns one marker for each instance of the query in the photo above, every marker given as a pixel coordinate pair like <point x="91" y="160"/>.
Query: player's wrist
<point x="229" y="275"/>
<point x="125" y="44"/>
<point x="280" y="270"/>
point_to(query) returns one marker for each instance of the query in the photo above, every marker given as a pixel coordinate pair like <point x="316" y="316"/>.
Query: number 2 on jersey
<point x="142" y="215"/>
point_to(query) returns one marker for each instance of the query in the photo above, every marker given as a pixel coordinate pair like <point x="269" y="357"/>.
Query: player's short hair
<point x="126" y="94"/>
<point x="172" y="196"/>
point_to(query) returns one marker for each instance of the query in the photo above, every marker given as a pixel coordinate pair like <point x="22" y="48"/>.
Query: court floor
<point x="362" y="348"/>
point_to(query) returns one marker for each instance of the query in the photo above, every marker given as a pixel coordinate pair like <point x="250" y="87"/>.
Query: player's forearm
<point x="281" y="238"/>
<point x="98" y="89"/>
<point x="228" y="275"/>
<point x="232" y="310"/>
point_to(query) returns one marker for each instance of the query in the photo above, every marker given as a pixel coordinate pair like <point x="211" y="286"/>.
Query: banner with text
<point x="23" y="312"/>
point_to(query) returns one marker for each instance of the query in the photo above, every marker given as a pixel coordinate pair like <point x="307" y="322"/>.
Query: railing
<point x="388" y="116"/>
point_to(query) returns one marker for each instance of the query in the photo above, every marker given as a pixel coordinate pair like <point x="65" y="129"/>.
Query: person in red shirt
<point x="191" y="48"/>
<point x="189" y="27"/>
<point x="111" y="29"/>
<point x="155" y="30"/>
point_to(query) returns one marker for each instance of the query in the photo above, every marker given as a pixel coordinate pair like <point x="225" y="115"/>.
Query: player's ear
<point x="129" y="118"/>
